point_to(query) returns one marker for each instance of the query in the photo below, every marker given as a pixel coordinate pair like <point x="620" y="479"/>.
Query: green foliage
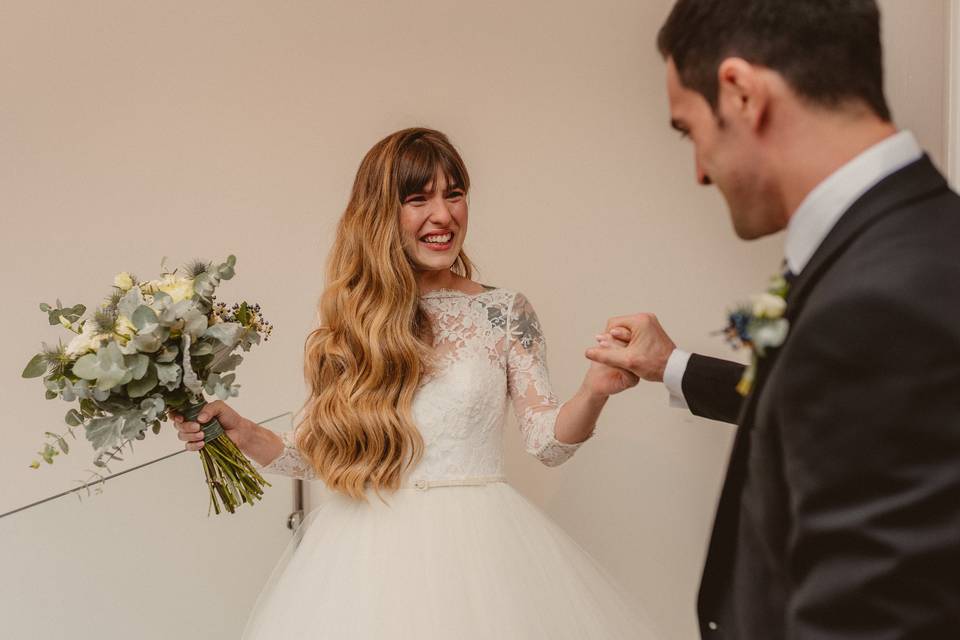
<point x="70" y="314"/>
<point x="36" y="367"/>
<point x="140" y="387"/>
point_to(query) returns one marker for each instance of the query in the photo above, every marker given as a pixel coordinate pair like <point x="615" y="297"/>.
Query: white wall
<point x="133" y="131"/>
<point x="953" y="94"/>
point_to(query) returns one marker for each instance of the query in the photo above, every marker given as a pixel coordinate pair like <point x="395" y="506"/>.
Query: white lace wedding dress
<point x="457" y="553"/>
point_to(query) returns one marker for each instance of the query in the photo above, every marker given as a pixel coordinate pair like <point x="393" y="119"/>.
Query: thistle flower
<point x="55" y="358"/>
<point x="104" y="320"/>
<point x="196" y="267"/>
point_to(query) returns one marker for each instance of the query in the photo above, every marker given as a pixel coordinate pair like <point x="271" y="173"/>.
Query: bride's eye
<point x="415" y="199"/>
<point x="455" y="195"/>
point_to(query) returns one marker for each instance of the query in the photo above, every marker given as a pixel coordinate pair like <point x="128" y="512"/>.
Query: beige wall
<point x="133" y="131"/>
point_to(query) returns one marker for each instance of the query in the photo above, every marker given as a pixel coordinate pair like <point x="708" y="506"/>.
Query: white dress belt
<point x="423" y="484"/>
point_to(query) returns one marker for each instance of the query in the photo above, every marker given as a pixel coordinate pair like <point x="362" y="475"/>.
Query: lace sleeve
<point x="535" y="404"/>
<point x="290" y="462"/>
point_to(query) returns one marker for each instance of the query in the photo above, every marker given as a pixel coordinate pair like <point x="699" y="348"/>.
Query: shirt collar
<point x="829" y="200"/>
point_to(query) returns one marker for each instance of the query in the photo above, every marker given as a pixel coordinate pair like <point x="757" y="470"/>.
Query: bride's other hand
<point x="648" y="347"/>
<point x="605" y="380"/>
<point x="234" y="425"/>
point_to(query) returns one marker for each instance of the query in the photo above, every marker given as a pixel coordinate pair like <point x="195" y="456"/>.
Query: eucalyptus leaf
<point x="204" y="348"/>
<point x="44" y="307"/>
<point x="194" y="323"/>
<point x="204" y="285"/>
<point x="111" y="368"/>
<point x="160" y="300"/>
<point x="69" y="392"/>
<point x="222" y="387"/>
<point x="227" y="333"/>
<point x="80" y="389"/>
<point x="228" y="363"/>
<point x="152" y="407"/>
<point x="147" y="343"/>
<point x="169" y="353"/>
<point x="48" y="453"/>
<point x="36" y="367"/>
<point x="248" y="338"/>
<point x="137" y="364"/>
<point x="168" y="375"/>
<point x="73" y="313"/>
<point x="144" y="319"/>
<point x="130" y="302"/>
<point x="86" y="367"/>
<point x="169" y="316"/>
<point x="73" y="418"/>
<point x="50" y="395"/>
<point x="144" y="385"/>
<point x="88" y="408"/>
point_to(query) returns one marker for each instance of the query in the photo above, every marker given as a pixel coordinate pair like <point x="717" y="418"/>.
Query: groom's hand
<point x="647" y="348"/>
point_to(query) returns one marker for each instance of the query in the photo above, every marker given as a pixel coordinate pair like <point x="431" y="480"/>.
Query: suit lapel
<point x="916" y="181"/>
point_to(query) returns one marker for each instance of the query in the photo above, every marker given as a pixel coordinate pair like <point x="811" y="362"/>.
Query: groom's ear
<point x="743" y="92"/>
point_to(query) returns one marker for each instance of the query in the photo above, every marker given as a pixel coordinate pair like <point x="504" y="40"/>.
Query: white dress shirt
<point x="816" y="216"/>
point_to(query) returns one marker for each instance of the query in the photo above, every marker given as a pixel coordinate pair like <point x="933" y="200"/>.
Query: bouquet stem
<point x="231" y="478"/>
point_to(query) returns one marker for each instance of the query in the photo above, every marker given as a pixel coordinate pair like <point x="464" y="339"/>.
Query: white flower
<point x="767" y="305"/>
<point x="124" y="327"/>
<point x="85" y="341"/>
<point x="177" y="288"/>
<point x="769" y="335"/>
<point x="123" y="281"/>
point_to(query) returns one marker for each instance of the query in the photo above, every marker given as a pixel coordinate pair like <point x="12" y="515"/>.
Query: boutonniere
<point x="759" y="326"/>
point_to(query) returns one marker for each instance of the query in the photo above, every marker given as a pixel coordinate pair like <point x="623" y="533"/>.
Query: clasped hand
<point x="635" y="344"/>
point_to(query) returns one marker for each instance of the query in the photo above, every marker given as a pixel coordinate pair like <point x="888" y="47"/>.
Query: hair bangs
<point x="422" y="159"/>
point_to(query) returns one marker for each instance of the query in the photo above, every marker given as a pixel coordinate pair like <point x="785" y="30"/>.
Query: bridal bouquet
<point x="151" y="347"/>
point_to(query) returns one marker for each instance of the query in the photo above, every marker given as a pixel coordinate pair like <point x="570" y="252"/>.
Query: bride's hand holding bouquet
<point x="152" y="348"/>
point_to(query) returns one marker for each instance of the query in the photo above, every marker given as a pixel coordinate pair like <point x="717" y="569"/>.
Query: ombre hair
<point x="365" y="360"/>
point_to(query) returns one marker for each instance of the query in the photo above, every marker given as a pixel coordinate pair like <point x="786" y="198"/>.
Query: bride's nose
<point x="440" y="212"/>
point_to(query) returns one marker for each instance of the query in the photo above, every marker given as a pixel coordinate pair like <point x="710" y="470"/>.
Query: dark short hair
<point x="828" y="51"/>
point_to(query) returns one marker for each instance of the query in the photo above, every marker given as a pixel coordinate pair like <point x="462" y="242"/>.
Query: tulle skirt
<point x="466" y="562"/>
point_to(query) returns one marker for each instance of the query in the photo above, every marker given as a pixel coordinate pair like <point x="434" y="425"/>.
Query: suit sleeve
<point x="870" y="436"/>
<point x="710" y="388"/>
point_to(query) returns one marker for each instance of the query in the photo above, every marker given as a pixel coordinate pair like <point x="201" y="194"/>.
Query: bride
<point x="410" y="373"/>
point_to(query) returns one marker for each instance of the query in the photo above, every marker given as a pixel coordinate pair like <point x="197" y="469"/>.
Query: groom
<point x="840" y="514"/>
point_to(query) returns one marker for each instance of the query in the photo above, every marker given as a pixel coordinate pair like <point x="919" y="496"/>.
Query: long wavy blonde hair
<point x="366" y="358"/>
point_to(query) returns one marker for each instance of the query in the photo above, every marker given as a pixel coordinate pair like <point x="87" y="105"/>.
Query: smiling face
<point x="433" y="223"/>
<point x="727" y="149"/>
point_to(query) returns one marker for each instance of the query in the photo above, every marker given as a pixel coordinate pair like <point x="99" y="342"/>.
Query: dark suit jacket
<point x="840" y="514"/>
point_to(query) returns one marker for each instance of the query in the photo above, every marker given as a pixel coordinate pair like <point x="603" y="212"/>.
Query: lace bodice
<point x="489" y="351"/>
